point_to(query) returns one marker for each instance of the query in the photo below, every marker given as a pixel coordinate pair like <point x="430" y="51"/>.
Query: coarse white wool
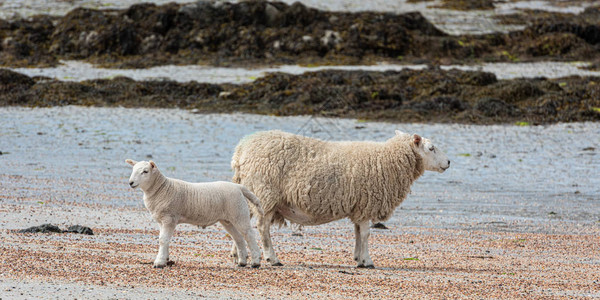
<point x="173" y="201"/>
<point x="310" y="182"/>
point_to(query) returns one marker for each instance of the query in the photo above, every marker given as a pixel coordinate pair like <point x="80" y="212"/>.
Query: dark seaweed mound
<point x="259" y="32"/>
<point x="431" y="95"/>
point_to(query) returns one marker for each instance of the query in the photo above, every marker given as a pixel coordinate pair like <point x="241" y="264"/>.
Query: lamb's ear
<point x="417" y="139"/>
<point x="131" y="162"/>
<point x="399" y="133"/>
<point x="153" y="165"/>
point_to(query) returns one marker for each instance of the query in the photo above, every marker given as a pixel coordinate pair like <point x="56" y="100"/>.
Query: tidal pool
<point x="502" y="177"/>
<point x="80" y="71"/>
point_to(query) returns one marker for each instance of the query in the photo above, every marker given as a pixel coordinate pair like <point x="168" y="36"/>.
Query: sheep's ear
<point x="153" y="165"/>
<point x="399" y="133"/>
<point x="131" y="162"/>
<point x="417" y="139"/>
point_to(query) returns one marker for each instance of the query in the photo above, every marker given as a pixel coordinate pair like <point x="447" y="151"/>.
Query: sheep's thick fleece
<point x="320" y="181"/>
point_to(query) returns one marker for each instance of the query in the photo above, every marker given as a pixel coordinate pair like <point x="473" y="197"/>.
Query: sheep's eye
<point x="145" y="171"/>
<point x="432" y="149"/>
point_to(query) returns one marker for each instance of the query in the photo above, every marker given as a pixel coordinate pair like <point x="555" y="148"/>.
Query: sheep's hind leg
<point x="362" y="238"/>
<point x="238" y="241"/>
<point x="166" y="232"/>
<point x="264" y="227"/>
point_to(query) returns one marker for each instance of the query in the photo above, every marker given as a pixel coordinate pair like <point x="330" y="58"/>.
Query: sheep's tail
<point x="252" y="199"/>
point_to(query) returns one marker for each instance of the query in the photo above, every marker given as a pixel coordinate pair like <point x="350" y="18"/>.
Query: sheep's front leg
<point x="362" y="240"/>
<point x="357" y="243"/>
<point x="166" y="232"/>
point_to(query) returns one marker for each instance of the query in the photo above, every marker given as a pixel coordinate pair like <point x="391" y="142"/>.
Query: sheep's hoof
<point x="160" y="266"/>
<point x="366" y="267"/>
<point x="277" y="264"/>
<point x="256" y="266"/>
<point x="241" y="265"/>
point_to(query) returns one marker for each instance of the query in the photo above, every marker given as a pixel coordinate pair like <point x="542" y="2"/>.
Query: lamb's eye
<point x="145" y="171"/>
<point x="432" y="149"/>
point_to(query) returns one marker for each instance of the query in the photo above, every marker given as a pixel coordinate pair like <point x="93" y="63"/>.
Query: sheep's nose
<point x="131" y="183"/>
<point x="448" y="163"/>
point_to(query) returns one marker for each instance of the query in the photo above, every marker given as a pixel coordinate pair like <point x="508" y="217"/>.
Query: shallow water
<point x="519" y="177"/>
<point x="80" y="71"/>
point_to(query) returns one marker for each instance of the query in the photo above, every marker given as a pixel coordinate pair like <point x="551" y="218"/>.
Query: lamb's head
<point x="143" y="173"/>
<point x="434" y="159"/>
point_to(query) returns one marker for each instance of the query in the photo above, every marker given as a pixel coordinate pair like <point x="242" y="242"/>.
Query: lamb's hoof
<point x="256" y="266"/>
<point x="241" y="265"/>
<point x="366" y="267"/>
<point x="277" y="264"/>
<point x="162" y="265"/>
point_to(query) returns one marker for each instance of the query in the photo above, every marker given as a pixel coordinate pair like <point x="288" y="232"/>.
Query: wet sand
<point x="516" y="216"/>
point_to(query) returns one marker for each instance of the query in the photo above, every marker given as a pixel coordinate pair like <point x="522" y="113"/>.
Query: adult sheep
<point x="173" y="201"/>
<point x="310" y="182"/>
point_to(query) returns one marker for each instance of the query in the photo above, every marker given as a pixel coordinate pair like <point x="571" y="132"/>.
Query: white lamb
<point x="172" y="201"/>
<point x="310" y="182"/>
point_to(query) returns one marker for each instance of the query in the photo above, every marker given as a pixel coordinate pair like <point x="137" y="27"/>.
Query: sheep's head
<point x="142" y="173"/>
<point x="434" y="159"/>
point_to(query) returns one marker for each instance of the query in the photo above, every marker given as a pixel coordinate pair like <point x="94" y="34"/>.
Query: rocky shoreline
<point x="430" y="95"/>
<point x="273" y="33"/>
<point x="270" y="33"/>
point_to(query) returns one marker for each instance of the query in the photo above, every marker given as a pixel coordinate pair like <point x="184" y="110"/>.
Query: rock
<point x="272" y="14"/>
<point x="80" y="229"/>
<point x="331" y="38"/>
<point x="45" y="228"/>
<point x="224" y="95"/>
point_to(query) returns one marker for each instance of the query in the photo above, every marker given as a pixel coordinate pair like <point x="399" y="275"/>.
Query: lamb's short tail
<point x="252" y="199"/>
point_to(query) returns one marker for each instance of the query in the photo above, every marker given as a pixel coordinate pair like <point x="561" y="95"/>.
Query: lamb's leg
<point x="250" y="237"/>
<point x="233" y="252"/>
<point x="264" y="226"/>
<point x="239" y="243"/>
<point x="364" y="260"/>
<point x="166" y="232"/>
<point x="357" y="244"/>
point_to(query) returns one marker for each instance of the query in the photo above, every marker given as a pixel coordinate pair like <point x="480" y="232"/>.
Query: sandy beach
<point x="86" y="84"/>
<point x="487" y="228"/>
